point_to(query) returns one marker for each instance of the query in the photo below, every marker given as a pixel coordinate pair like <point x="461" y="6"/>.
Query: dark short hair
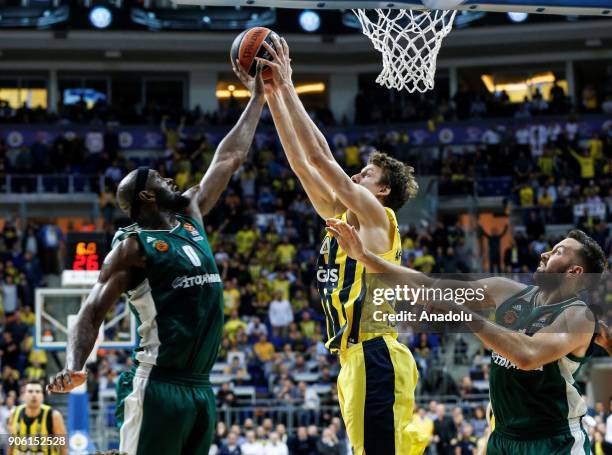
<point x="591" y="256"/>
<point x="398" y="176"/>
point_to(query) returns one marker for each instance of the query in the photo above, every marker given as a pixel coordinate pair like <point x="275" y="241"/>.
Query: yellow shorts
<point x="376" y="393"/>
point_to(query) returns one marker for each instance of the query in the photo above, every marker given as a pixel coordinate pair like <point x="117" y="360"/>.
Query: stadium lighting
<point x="317" y="87"/>
<point x="309" y="21"/>
<point x="518" y="17"/>
<point x="100" y="17"/>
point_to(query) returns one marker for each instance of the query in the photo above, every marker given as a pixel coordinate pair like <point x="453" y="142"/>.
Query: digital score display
<point x="85" y="250"/>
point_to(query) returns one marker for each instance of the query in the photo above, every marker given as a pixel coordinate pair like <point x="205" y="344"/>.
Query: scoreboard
<point x="85" y="251"/>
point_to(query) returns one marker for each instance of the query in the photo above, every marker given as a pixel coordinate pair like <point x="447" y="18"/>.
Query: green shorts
<point x="165" y="411"/>
<point x="570" y="443"/>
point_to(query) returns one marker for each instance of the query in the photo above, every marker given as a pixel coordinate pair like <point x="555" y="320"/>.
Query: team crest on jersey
<point x="510" y="317"/>
<point x="161" y="246"/>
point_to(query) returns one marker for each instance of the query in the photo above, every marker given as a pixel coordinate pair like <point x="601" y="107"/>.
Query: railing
<point x="105" y="434"/>
<point x="52" y="183"/>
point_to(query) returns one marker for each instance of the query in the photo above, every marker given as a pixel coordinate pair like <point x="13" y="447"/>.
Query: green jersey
<point x="543" y="402"/>
<point x="179" y="305"/>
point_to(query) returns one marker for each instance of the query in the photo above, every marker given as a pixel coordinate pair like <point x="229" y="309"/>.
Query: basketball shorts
<point x="376" y="392"/>
<point x="573" y="442"/>
<point x="165" y="411"/>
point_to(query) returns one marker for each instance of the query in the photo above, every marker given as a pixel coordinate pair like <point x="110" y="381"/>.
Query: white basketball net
<point x="409" y="41"/>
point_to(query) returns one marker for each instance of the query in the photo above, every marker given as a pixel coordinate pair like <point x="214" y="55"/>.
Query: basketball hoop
<point x="409" y="41"/>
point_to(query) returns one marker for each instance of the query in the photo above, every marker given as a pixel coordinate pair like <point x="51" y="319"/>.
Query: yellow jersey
<point x="341" y="283"/>
<point x="41" y="425"/>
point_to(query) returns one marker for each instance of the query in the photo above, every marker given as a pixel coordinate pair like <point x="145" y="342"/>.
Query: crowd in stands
<point x="265" y="236"/>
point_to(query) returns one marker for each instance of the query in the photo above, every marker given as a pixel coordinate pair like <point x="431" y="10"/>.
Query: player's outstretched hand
<point x="347" y="237"/>
<point x="604" y="337"/>
<point x="280" y="63"/>
<point x="66" y="380"/>
<point x="255" y="85"/>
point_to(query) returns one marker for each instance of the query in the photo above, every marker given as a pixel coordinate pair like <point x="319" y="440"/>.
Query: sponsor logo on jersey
<point x="193" y="231"/>
<point x="196" y="280"/>
<point x="500" y="360"/>
<point x="150" y="239"/>
<point x="517" y="307"/>
<point x="541" y="322"/>
<point x="161" y="246"/>
<point x="327" y="275"/>
<point x="510" y="317"/>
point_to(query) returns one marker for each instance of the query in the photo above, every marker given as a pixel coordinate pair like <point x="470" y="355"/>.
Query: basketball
<point x="248" y="45"/>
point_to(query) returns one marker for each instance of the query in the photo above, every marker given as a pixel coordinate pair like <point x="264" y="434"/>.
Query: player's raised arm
<point x="116" y="277"/>
<point x="232" y="151"/>
<point x="320" y="194"/>
<point x="354" y="197"/>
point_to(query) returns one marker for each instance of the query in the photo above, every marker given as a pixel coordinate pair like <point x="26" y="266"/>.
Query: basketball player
<point x="378" y="375"/>
<point x="164" y="262"/>
<point x="35" y="422"/>
<point x="541" y="337"/>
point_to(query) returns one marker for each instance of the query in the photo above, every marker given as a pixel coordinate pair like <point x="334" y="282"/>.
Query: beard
<point x="173" y="201"/>
<point x="549" y="281"/>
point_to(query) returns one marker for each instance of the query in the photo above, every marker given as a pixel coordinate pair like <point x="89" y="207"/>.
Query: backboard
<point x="57" y="308"/>
<point x="572" y="7"/>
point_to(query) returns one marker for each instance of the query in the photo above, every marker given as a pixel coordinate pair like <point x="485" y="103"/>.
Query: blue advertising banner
<point x="420" y="135"/>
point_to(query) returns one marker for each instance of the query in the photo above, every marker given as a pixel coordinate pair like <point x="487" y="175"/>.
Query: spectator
<point x="444" y="431"/>
<point x="479" y="422"/>
<point x="231" y="296"/>
<point x="234" y="326"/>
<point x="263" y="349"/>
<point x="302" y="443"/>
<point x="252" y="446"/>
<point x="466" y="442"/>
<point x="495" y="247"/>
<point x="423" y="423"/>
<point x="329" y="443"/>
<point x="280" y="314"/>
<point x="256" y="328"/>
<point x="231" y="446"/>
<point x="9" y="295"/>
<point x="275" y="446"/>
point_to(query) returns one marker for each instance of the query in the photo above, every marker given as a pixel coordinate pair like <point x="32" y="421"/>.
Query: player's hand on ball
<point x="255" y="85"/>
<point x="66" y="380"/>
<point x="347" y="237"/>
<point x="280" y="63"/>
